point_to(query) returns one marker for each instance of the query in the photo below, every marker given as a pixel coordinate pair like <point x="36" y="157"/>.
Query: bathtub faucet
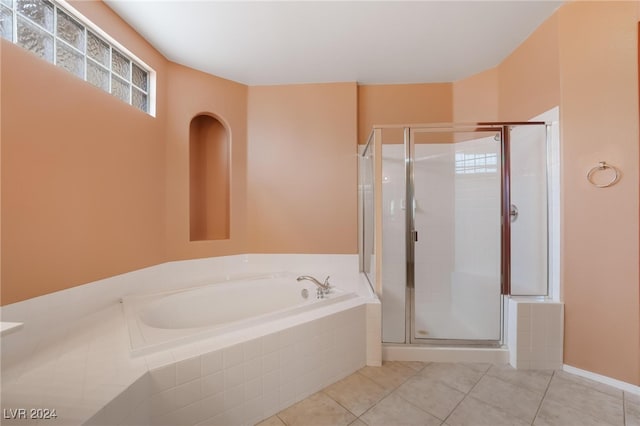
<point x="323" y="288"/>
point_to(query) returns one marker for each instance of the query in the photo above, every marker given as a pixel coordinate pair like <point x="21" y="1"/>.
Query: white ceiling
<point x="372" y="42"/>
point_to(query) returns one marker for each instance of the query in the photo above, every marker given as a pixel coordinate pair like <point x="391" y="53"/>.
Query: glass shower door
<point x="455" y="240"/>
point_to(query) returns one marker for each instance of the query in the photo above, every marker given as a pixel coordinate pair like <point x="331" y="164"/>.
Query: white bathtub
<point x="162" y="320"/>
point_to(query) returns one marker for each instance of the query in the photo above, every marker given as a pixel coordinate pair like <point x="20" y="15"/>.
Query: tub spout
<point x="323" y="286"/>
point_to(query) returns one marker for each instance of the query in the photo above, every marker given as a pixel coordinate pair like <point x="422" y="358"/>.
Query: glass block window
<point x="48" y="29"/>
<point x="486" y="162"/>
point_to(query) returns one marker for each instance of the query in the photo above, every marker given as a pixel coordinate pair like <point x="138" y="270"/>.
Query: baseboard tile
<point x="627" y="387"/>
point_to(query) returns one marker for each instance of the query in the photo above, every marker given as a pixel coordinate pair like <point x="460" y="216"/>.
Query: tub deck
<point x="85" y="373"/>
<point x="231" y="305"/>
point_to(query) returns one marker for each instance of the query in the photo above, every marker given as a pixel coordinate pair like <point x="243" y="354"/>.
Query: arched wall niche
<point x="209" y="167"/>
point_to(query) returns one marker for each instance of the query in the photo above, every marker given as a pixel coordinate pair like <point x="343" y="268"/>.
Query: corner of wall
<point x="476" y="98"/>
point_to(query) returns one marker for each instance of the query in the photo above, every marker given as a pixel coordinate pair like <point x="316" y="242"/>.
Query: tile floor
<point x="452" y="394"/>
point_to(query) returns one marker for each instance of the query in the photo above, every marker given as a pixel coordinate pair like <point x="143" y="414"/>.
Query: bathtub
<point x="163" y="320"/>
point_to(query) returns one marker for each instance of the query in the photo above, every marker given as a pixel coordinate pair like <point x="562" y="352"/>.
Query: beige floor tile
<point x="553" y="413"/>
<point x="391" y="375"/>
<point x="586" y="399"/>
<point x="430" y="395"/>
<point x="535" y="380"/>
<point x="356" y="393"/>
<point x="461" y="377"/>
<point x="317" y="410"/>
<point x="609" y="390"/>
<point x="416" y="365"/>
<point x="514" y="400"/>
<point x="272" y="421"/>
<point x="393" y="410"/>
<point x="472" y="412"/>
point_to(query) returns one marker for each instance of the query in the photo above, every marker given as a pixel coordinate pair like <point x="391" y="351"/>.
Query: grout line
<point x="543" y="397"/>
<point x="589" y="383"/>
<point x="422" y="409"/>
<point x="391" y="390"/>
<point x="329" y="396"/>
<point x="415" y="373"/>
<point x="419" y="408"/>
<point x="586" y="384"/>
<point x="385" y="396"/>
<point x="281" y="419"/>
<point x="454" y="408"/>
<point x="348" y="410"/>
<point x="476" y="384"/>
<point x="467" y="394"/>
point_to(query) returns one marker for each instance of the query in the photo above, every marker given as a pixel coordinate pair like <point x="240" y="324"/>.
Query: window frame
<point x="89" y="26"/>
<point x="476" y="163"/>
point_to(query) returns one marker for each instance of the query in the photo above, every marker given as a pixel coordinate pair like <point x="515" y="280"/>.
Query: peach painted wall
<point x="80" y="195"/>
<point x="476" y="98"/>
<point x="402" y="104"/>
<point x="529" y="78"/>
<point x="584" y="58"/>
<point x="302" y="169"/>
<point x="83" y="199"/>
<point x="192" y="93"/>
<point x="599" y="118"/>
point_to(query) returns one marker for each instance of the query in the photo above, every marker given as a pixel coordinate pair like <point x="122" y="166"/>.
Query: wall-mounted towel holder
<point x="602" y="165"/>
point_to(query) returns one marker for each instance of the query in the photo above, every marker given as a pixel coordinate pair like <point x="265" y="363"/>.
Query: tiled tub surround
<point x="73" y="353"/>
<point x="244" y="383"/>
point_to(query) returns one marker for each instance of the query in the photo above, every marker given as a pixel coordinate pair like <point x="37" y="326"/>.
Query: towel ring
<point x="602" y="165"/>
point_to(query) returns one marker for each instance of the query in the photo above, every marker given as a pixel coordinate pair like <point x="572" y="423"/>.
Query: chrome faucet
<point x="323" y="288"/>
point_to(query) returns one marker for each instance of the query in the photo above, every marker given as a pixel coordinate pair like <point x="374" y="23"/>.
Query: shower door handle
<point x="513" y="212"/>
<point x="414" y="234"/>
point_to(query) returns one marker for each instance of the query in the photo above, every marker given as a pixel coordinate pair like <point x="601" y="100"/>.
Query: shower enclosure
<point x="452" y="218"/>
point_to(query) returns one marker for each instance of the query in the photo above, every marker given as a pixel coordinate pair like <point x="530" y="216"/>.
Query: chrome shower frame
<point x="374" y="145"/>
